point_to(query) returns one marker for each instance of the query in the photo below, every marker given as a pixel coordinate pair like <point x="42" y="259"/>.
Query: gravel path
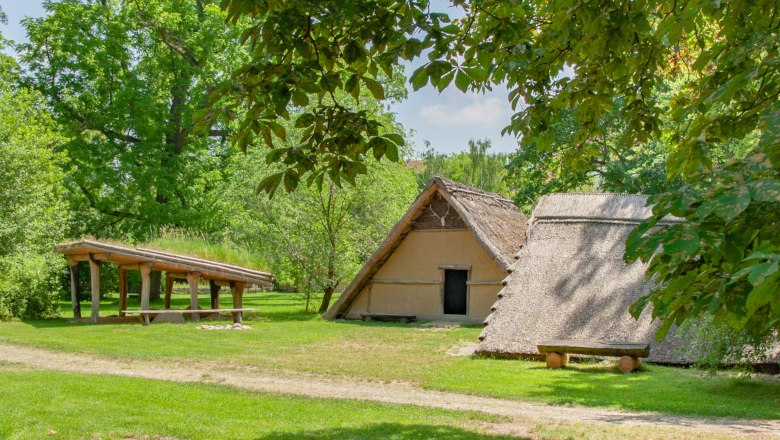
<point x="398" y="393"/>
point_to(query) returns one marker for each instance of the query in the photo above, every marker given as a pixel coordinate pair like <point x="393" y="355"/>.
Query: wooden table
<point x="558" y="351"/>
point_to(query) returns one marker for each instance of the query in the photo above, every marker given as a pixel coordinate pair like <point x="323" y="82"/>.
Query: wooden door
<point x="455" y="291"/>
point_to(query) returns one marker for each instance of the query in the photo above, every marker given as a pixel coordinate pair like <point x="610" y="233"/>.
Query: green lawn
<point x="39" y="405"/>
<point x="284" y="337"/>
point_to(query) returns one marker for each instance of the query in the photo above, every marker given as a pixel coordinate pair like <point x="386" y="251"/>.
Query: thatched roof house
<point x="444" y="259"/>
<point x="570" y="280"/>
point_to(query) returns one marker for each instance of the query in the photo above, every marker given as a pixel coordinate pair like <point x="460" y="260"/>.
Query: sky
<point x="447" y="120"/>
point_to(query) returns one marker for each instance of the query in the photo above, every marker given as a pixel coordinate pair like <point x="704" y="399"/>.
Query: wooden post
<point x="122" y="291"/>
<point x="627" y="364"/>
<point x="557" y="360"/>
<point x="237" y="289"/>
<point x="214" y="288"/>
<point x="74" y="287"/>
<point x="146" y="284"/>
<point x="193" y="278"/>
<point x="168" y="290"/>
<point x="94" y="275"/>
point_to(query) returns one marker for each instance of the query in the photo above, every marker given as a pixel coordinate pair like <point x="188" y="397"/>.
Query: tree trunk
<point x="326" y="299"/>
<point x="154" y="292"/>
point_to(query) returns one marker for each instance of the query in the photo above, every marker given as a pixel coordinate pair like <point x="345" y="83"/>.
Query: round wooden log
<point x="557" y="360"/>
<point x="627" y="364"/>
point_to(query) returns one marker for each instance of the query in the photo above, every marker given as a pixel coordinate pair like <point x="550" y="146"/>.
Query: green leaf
<point x="681" y="241"/>
<point x="353" y="86"/>
<point x="764" y="293"/>
<point x="770" y="134"/>
<point x="392" y="152"/>
<point x="765" y="190"/>
<point x="462" y="81"/>
<point x="727" y="204"/>
<point x="290" y="181"/>
<point x="274" y="155"/>
<point x="395" y="138"/>
<point x="419" y="78"/>
<point x="376" y="89"/>
<point x="270" y="184"/>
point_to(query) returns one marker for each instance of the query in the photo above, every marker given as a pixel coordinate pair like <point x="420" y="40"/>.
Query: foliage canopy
<point x="722" y="56"/>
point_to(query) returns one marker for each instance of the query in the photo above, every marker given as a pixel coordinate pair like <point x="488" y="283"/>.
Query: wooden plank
<point x="484" y="283"/>
<point x="94" y="276"/>
<point x="595" y="348"/>
<point x="404" y="281"/>
<point x="455" y="266"/>
<point x="74" y="288"/>
<point x="193" y="278"/>
<point x="146" y="284"/>
<point x="237" y="290"/>
<point x="187" y="311"/>
<point x="130" y="266"/>
<point x="122" y="290"/>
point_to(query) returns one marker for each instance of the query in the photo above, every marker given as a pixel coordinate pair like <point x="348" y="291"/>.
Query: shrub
<point x="30" y="285"/>
<point x="714" y="345"/>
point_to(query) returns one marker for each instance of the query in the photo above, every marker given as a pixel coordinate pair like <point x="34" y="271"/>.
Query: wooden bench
<point x="558" y="351"/>
<point x="388" y="317"/>
<point x="145" y="314"/>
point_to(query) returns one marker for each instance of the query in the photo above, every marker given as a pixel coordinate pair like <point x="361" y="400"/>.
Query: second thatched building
<point x="444" y="260"/>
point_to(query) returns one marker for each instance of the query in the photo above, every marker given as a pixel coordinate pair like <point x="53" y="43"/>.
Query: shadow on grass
<point x="385" y="430"/>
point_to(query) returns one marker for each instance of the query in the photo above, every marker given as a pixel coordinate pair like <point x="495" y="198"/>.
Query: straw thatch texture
<point x="496" y="223"/>
<point x="570" y="281"/>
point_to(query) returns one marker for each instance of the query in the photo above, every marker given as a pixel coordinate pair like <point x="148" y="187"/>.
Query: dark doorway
<point x="455" y="291"/>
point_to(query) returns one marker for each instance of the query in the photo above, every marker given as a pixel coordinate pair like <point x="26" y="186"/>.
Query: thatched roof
<point x="570" y="281"/>
<point x="112" y="253"/>
<point x="497" y="224"/>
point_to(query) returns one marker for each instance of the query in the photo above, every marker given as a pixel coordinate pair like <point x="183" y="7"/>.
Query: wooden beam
<point x="94" y="275"/>
<point x="100" y="256"/>
<point x="176" y="275"/>
<point x="237" y="289"/>
<point x="146" y="284"/>
<point x="168" y="289"/>
<point x="193" y="278"/>
<point x="74" y="288"/>
<point x="130" y="267"/>
<point x="404" y="281"/>
<point x="214" y="289"/>
<point x="455" y="266"/>
<point x="222" y="283"/>
<point x="122" y="291"/>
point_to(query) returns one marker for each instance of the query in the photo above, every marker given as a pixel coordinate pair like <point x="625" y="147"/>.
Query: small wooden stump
<point x="627" y="364"/>
<point x="557" y="360"/>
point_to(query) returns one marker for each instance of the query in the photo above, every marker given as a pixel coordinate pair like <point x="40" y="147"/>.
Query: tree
<point x="318" y="238"/>
<point x="723" y="55"/>
<point x="125" y="80"/>
<point x="476" y="167"/>
<point x="33" y="213"/>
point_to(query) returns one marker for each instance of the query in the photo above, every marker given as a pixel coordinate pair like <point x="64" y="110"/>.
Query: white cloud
<point x="470" y="110"/>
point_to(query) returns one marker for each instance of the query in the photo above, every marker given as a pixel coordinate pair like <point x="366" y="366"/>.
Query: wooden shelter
<point x="145" y="261"/>
<point x="443" y="260"/>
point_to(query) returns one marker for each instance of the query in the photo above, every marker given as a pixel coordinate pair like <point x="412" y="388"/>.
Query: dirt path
<point x="398" y="393"/>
